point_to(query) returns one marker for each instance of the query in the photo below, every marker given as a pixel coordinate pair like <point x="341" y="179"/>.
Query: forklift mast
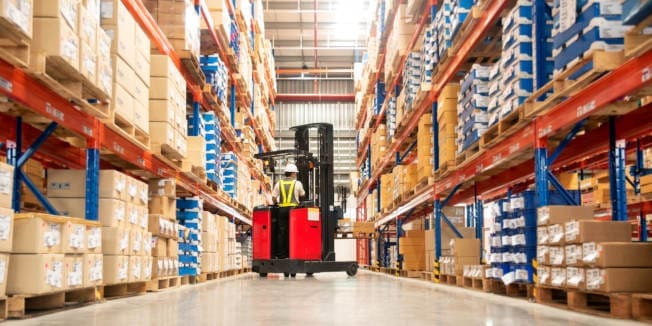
<point x="326" y="191"/>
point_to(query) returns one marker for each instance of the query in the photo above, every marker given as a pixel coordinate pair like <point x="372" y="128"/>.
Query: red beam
<point x="315" y="97"/>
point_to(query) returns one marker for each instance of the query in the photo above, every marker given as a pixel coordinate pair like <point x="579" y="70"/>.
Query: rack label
<point x="7" y="85"/>
<point x="585" y="109"/>
<point x="56" y="113"/>
<point x="118" y="148"/>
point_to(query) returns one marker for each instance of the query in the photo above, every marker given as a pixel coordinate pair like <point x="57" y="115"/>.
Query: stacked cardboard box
<point x="399" y="39"/>
<point x="386" y="191"/>
<point x="412" y="247"/>
<point x="165" y="247"/>
<point x="6" y="221"/>
<point x="447" y="235"/>
<point x="226" y="246"/>
<point x="123" y="217"/>
<point x="209" y="242"/>
<point x="35" y="171"/>
<point x="405" y="179"/>
<point x="19" y="14"/>
<point x="189" y="216"/>
<point x="128" y="46"/>
<point x="217" y="76"/>
<point x="379" y="144"/>
<point x="425" y="147"/>
<point x="179" y="21"/>
<point x="472" y="103"/>
<point x="596" y="189"/>
<point x="411" y="80"/>
<point x="167" y="99"/>
<point x="447" y="120"/>
<point x="221" y="18"/>
<point x="463" y="252"/>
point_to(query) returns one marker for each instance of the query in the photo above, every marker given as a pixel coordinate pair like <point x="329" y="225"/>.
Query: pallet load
<point x="209" y="260"/>
<point x="167" y="98"/>
<point x="391" y="117"/>
<point x="425" y="147"/>
<point x="6" y="222"/>
<point x="165" y="231"/>
<point x="229" y="170"/>
<point x="473" y="100"/>
<point x="189" y="216"/>
<point x="602" y="29"/>
<point x="246" y="246"/>
<point x="180" y="23"/>
<point x="130" y="61"/>
<point x="226" y="245"/>
<point x="221" y="22"/>
<point x="213" y="148"/>
<point x="447" y="234"/>
<point x="217" y="76"/>
<point x="35" y="171"/>
<point x="447" y="120"/>
<point x="386" y="192"/>
<point x="596" y="190"/>
<point x="463" y="252"/>
<point x="379" y="144"/>
<point x="398" y="42"/>
<point x="412" y="248"/>
<point x="16" y="21"/>
<point x="411" y="80"/>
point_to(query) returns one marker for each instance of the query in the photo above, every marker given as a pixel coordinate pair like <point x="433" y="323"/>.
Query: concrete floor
<point x="328" y="299"/>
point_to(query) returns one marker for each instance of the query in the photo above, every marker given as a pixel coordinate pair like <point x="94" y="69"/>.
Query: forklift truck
<point x="303" y="239"/>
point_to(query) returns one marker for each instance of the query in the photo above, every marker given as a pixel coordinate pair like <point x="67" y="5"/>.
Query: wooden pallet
<point x="504" y="128"/>
<point x="642" y="306"/>
<point x="449" y="279"/>
<point x="425" y="181"/>
<point x="637" y="43"/>
<point x="427" y="276"/>
<point x="517" y="290"/>
<point x="191" y="62"/>
<point x="551" y="296"/>
<point x="445" y="167"/>
<point x="56" y="73"/>
<point x="410" y="274"/>
<point x="14" y="44"/>
<point x="473" y="283"/>
<point x="167" y="153"/>
<point x="562" y="86"/>
<point x="184" y="280"/>
<point x="122" y="290"/>
<point x="27" y="306"/>
<point x="469" y="154"/>
<point x="127" y="129"/>
<point x="163" y="283"/>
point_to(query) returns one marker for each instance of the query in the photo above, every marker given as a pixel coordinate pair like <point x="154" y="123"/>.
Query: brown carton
<point x="159" y="246"/>
<point x="164" y="206"/>
<point x="465" y="247"/>
<point x="73" y="239"/>
<point x="37" y="233"/>
<point x="136" y="245"/>
<point x="147" y="262"/>
<point x="597" y="231"/>
<point x="94" y="238"/>
<point x="617" y="254"/>
<point x="159" y="225"/>
<point x="363" y="227"/>
<point x="619" y="279"/>
<point x="556" y="255"/>
<point x="162" y="188"/>
<point x="111" y="211"/>
<point x="4" y="270"/>
<point x="93" y="269"/>
<point x="135" y="269"/>
<point x="6" y="185"/>
<point x="173" y="248"/>
<point x="73" y="271"/>
<point x="543" y="274"/>
<point x="561" y="214"/>
<point x="115" y="241"/>
<point x="72" y="184"/>
<point x="115" y="269"/>
<point x="575" y="278"/>
<point x="573" y="255"/>
<point x="35" y="273"/>
<point x="6" y="229"/>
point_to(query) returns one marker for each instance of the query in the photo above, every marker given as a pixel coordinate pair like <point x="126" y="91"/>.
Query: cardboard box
<point x="136" y="245"/>
<point x="73" y="239"/>
<point x="556" y="255"/>
<point x="162" y="66"/>
<point x="465" y="247"/>
<point x="36" y="274"/>
<point x="558" y="276"/>
<point x="617" y="254"/>
<point x="112" y="212"/>
<point x="162" y="111"/>
<point x="73" y="271"/>
<point x="162" y="88"/>
<point x="543" y="255"/>
<point x="172" y="248"/>
<point x="22" y="17"/>
<point x="115" y="241"/>
<point x="122" y="40"/>
<point x="573" y="255"/>
<point x="543" y="274"/>
<point x="159" y="246"/>
<point x="88" y="62"/>
<point x="4" y="270"/>
<point x="162" y="188"/>
<point x="146" y="263"/>
<point x="363" y="227"/>
<point x="68" y="10"/>
<point x="142" y="67"/>
<point x="94" y="238"/>
<point x="133" y="218"/>
<point x="54" y="37"/>
<point x="105" y="75"/>
<point x="6" y="185"/>
<point x="123" y="74"/>
<point x="619" y="280"/>
<point x="72" y="184"/>
<point x="37" y="234"/>
<point x="93" y="269"/>
<point x="140" y="92"/>
<point x="162" y="133"/>
<point x="561" y="214"/>
<point x="575" y="278"/>
<point x="115" y="269"/>
<point x="147" y="243"/>
<point x="556" y="235"/>
<point x="122" y="103"/>
<point x="164" y="206"/>
<point x="597" y="231"/>
<point x="6" y="229"/>
<point x="160" y="226"/>
<point x="135" y="269"/>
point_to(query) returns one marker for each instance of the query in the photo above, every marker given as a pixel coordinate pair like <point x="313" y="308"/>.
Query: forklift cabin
<point x="301" y="239"/>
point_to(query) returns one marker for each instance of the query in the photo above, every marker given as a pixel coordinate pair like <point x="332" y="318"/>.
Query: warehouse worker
<point x="287" y="191"/>
<point x="286" y="194"/>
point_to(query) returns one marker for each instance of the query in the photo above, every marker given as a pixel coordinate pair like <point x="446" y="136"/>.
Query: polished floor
<point x="328" y="299"/>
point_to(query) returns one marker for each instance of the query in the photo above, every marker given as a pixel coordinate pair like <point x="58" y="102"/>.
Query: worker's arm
<point x="298" y="190"/>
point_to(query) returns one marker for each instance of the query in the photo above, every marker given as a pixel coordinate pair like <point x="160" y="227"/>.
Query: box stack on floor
<point x="463" y="252"/>
<point x="209" y="243"/>
<point x="122" y="213"/>
<point x="412" y="248"/>
<point x="226" y="245"/>
<point x="130" y="61"/>
<point x="164" y="228"/>
<point x="189" y="216"/>
<point x="456" y="216"/>
<point x="473" y="100"/>
<point x="6" y="222"/>
<point x="167" y="98"/>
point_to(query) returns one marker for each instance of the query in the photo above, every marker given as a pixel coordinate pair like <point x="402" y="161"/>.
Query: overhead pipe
<point x="315" y="97"/>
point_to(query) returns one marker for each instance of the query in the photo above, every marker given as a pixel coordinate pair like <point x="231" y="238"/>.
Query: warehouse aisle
<point x="332" y="299"/>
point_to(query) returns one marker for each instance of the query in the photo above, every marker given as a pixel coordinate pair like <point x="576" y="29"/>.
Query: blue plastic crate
<point x="601" y="10"/>
<point x="634" y="11"/>
<point x="591" y="39"/>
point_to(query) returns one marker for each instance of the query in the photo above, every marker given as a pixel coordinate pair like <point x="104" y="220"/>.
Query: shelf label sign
<point x="545" y="131"/>
<point x="6" y="85"/>
<point x="497" y="158"/>
<point x="514" y="148"/>
<point x="87" y="130"/>
<point x="140" y="161"/>
<point x="56" y="113"/>
<point x="646" y="74"/>
<point x="582" y="110"/>
<point x="118" y="149"/>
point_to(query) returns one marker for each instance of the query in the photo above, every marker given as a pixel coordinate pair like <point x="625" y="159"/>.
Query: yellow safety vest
<point x="287" y="194"/>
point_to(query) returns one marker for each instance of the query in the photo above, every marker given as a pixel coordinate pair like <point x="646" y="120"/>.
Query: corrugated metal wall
<point x="341" y="115"/>
<point x="290" y="86"/>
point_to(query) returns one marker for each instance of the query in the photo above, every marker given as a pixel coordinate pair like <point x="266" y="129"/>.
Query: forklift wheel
<point x="286" y="274"/>
<point x="309" y="274"/>
<point x="352" y="270"/>
<point x="293" y="274"/>
<point x="262" y="274"/>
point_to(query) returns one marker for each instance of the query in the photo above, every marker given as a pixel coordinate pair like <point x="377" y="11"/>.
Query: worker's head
<point x="291" y="170"/>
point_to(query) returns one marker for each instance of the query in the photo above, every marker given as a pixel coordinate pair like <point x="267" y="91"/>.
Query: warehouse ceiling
<point x="341" y="31"/>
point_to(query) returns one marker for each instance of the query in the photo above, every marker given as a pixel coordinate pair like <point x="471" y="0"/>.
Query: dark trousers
<point x="281" y="233"/>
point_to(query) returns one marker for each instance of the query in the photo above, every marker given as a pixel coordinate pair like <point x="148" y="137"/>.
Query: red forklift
<point x="301" y="239"/>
